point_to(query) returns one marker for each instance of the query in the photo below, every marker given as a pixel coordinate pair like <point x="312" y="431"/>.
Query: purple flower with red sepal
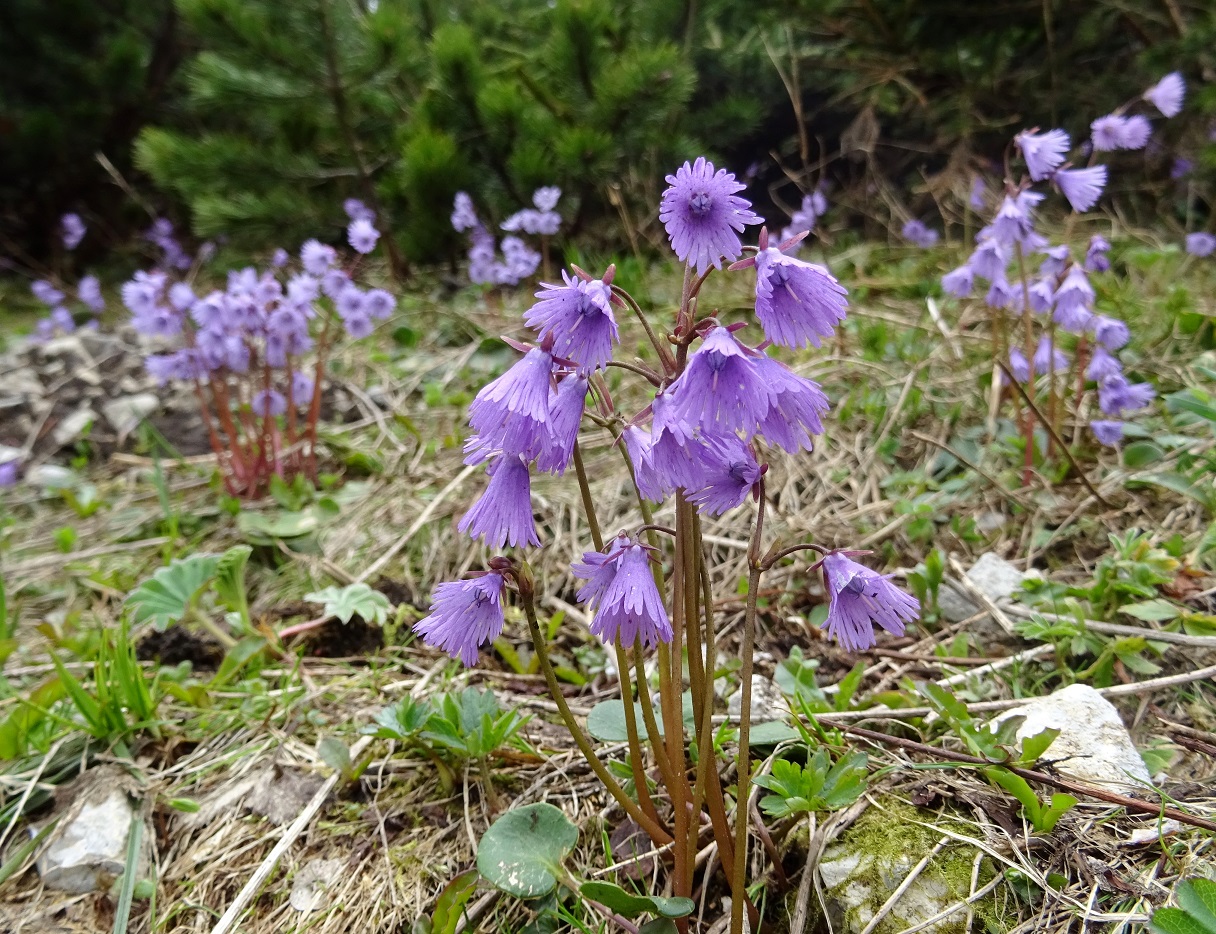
<point x="464" y="616"/>
<point x="859" y="599"/>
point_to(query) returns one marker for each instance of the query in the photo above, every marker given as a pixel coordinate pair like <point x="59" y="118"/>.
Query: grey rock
<point x="10" y="454"/>
<point x="73" y="426"/>
<point x="92" y="847"/>
<point x="310" y="888"/>
<point x="50" y="477"/>
<point x="67" y="345"/>
<point x="21" y="382"/>
<point x="1093" y="745"/>
<point x="768" y="703"/>
<point x="126" y="412"/>
<point x="856" y="883"/>
<point x="995" y="577"/>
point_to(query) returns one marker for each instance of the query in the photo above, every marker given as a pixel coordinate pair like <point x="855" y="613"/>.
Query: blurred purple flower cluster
<point x="518" y="261"/>
<point x="255" y="349"/>
<point x="1059" y="291"/>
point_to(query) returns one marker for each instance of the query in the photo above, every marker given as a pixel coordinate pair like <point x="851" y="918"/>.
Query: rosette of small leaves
<point x="820" y="785"/>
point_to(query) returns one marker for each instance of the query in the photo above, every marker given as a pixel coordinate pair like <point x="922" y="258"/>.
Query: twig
<point x="1051" y="430"/>
<point x="298" y="826"/>
<point x="986" y="601"/>
<point x="1028" y="655"/>
<point x="1118" y="629"/>
<point x="911" y="877"/>
<point x="417" y="524"/>
<point x="1078" y="788"/>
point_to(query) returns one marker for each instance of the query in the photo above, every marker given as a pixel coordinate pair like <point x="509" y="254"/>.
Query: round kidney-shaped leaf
<point x="522" y="852"/>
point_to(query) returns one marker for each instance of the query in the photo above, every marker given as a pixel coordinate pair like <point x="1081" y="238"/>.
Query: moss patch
<point x="872" y="858"/>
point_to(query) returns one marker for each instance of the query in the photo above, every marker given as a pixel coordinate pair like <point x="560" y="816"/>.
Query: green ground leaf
<point x="522" y="852"/>
<point x="451" y="901"/>
<point x="1176" y="921"/>
<point x="1151" y="611"/>
<point x="629" y="905"/>
<point x="355" y="599"/>
<point x="168" y="594"/>
<point x="1141" y="454"/>
<point x="1197" y="897"/>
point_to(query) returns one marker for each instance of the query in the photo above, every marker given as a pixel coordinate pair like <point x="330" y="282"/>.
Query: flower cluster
<point x="518" y="261"/>
<point x="803" y="221"/>
<point x="714" y="413"/>
<point x="161" y="235"/>
<point x="1058" y="291"/>
<point x="919" y="234"/>
<point x="71" y="231"/>
<point x="246" y="344"/>
<point x="61" y="320"/>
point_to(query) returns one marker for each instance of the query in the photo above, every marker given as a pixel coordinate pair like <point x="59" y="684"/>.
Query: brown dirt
<point x="176" y="645"/>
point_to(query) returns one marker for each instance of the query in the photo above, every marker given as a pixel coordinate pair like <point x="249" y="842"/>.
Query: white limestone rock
<point x="1093" y="745"/>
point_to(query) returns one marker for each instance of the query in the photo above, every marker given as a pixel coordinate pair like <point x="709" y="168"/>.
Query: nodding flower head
<point x="464" y="616"/>
<point x="317" y="257"/>
<point x="1018" y="365"/>
<point x="1082" y="187"/>
<point x="919" y="234"/>
<point x="622" y="594"/>
<point x="511" y="414"/>
<point x="859" y="599"/>
<point x="1096" y="259"/>
<point x="1200" y="244"/>
<point x="464" y="217"/>
<point x="578" y="317"/>
<point x="72" y="230"/>
<point x="1167" y="94"/>
<point x="566" y="406"/>
<point x="727" y="472"/>
<point x="1048" y="358"/>
<point x="989" y="259"/>
<point x="1117" y="395"/>
<point x="803" y="220"/>
<point x="361" y="235"/>
<point x="704" y="216"/>
<point x="1115" y="131"/>
<point x="959" y="282"/>
<point x="721" y="391"/>
<point x="1111" y="333"/>
<point x="1103" y="365"/>
<point x="1108" y="432"/>
<point x="503" y="515"/>
<point x="797" y="303"/>
<point x="1042" y="152"/>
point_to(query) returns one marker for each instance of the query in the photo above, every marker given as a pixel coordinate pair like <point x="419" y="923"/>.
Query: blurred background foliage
<point x="253" y="119"/>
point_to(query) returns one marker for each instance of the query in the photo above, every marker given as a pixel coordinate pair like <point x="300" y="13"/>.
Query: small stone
<point x="67" y="345"/>
<point x="21" y="382"/>
<point x="73" y="426"/>
<point x="1093" y="745"/>
<point x="989" y="522"/>
<point x="310" y="888"/>
<point x="995" y="577"/>
<point x="768" y="703"/>
<point x="91" y="848"/>
<point x="126" y="412"/>
<point x="50" y="477"/>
